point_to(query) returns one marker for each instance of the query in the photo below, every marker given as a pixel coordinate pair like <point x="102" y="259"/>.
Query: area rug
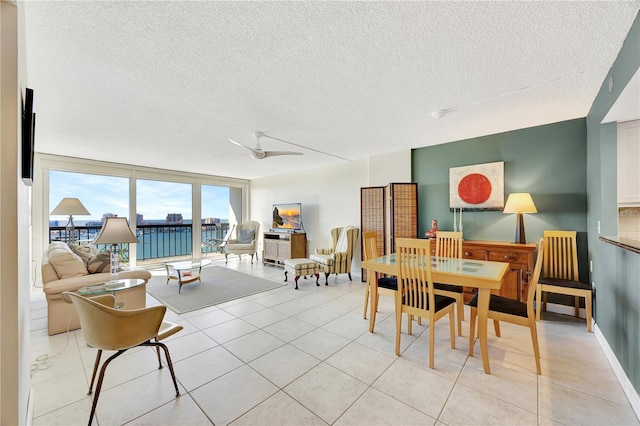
<point x="217" y="285"/>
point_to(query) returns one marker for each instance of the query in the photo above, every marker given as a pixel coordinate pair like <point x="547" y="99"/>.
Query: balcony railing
<point x="156" y="241"/>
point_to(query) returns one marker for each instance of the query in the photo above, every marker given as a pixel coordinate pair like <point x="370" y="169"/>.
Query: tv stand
<point x="279" y="247"/>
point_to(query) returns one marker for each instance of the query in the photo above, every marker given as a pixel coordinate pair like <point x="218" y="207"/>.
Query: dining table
<point x="486" y="276"/>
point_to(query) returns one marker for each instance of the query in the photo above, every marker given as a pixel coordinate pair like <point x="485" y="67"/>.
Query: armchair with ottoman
<point x="337" y="260"/>
<point x="66" y="268"/>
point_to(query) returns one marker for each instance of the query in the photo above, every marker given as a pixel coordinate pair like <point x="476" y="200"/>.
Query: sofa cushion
<point x="99" y="263"/>
<point x="67" y="264"/>
<point x="245" y="236"/>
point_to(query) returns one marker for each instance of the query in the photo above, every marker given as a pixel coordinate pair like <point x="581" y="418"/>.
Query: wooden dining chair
<point x="415" y="295"/>
<point x="512" y="311"/>
<point x="560" y="273"/>
<point x="449" y="244"/>
<point x="386" y="285"/>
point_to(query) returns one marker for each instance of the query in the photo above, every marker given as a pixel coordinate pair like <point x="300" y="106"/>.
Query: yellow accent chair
<point x="449" y="244"/>
<point x="512" y="311"/>
<point x="560" y="273"/>
<point x="415" y="295"/>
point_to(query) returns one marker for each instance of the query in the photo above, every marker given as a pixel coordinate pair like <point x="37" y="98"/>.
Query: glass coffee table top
<point x="111" y="287"/>
<point x="185" y="271"/>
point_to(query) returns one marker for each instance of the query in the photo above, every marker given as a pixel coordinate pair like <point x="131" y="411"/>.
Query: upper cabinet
<point x="629" y="163"/>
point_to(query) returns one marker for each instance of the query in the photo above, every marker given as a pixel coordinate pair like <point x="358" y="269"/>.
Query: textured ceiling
<point x="164" y="84"/>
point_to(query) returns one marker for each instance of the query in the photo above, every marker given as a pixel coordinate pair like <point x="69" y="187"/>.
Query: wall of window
<point x="152" y="197"/>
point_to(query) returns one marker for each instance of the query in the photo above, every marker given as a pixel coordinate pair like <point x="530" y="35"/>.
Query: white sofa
<point x="64" y="270"/>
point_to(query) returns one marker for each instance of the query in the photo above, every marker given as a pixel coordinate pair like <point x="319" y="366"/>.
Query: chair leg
<point x="398" y="324"/>
<point x="432" y="340"/>
<point x="452" y="329"/>
<point x="472" y="329"/>
<point x="159" y="360"/>
<point x="99" y="385"/>
<point x="95" y="370"/>
<point x="587" y="305"/>
<point x="366" y="301"/>
<point x="460" y="314"/>
<point x="576" y="304"/>
<point x="226" y="258"/>
<point x="169" y="363"/>
<point x="496" y="327"/>
<point x="349" y="274"/>
<point x="534" y="341"/>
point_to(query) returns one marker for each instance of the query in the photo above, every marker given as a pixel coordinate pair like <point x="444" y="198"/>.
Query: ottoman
<point x="301" y="267"/>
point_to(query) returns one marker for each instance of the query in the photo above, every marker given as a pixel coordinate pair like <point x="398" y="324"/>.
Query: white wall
<point x="330" y="196"/>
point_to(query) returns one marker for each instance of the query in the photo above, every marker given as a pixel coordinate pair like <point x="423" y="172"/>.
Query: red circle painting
<point x="474" y="188"/>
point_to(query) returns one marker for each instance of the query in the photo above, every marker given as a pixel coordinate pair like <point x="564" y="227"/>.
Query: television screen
<point x="28" y="130"/>
<point x="287" y="216"/>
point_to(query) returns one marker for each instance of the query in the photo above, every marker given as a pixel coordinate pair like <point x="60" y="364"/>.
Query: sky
<point x="108" y="194"/>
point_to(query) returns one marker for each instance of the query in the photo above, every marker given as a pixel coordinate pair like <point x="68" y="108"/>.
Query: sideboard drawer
<point x="477" y="254"/>
<point x="508" y="256"/>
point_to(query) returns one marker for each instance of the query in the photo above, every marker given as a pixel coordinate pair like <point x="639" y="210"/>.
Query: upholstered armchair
<point x="246" y="241"/>
<point x="337" y="260"/>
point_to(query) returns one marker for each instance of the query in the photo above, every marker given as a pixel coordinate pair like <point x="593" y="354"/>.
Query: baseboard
<point x="29" y="420"/>
<point x="627" y="386"/>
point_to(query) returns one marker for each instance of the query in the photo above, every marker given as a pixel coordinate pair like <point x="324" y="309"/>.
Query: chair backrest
<point x="345" y="239"/>
<point x="561" y="255"/>
<point x="107" y="328"/>
<point x="370" y="245"/>
<point x="413" y="257"/>
<point x="250" y="224"/>
<point x="449" y="244"/>
<point x="533" y="283"/>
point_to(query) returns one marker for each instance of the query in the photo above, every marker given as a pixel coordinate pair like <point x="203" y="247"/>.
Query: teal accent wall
<point x="549" y="161"/>
<point x="616" y="272"/>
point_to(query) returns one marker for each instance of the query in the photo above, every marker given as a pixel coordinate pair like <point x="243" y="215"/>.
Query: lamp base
<point x="114" y="260"/>
<point x="520" y="237"/>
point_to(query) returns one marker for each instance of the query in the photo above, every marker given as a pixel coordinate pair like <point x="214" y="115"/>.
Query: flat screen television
<point x="287" y="217"/>
<point x="28" y="134"/>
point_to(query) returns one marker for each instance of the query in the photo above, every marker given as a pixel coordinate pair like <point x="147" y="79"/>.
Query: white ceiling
<point x="164" y="84"/>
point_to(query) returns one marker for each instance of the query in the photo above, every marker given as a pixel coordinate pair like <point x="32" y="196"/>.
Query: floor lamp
<point x="520" y="203"/>
<point x="70" y="206"/>
<point x="115" y="230"/>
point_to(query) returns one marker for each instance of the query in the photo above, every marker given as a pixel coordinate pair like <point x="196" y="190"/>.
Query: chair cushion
<point x="390" y="283"/>
<point x="564" y="283"/>
<point x="503" y="304"/>
<point x="441" y="302"/>
<point x="447" y="287"/>
<point x="245" y="236"/>
<point x="323" y="259"/>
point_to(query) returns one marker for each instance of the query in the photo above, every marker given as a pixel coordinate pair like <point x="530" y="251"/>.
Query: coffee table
<point x="112" y="288"/>
<point x="185" y="271"/>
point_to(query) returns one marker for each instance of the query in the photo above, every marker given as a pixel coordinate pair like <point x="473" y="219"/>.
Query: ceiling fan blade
<point x="305" y="147"/>
<point x="258" y="154"/>
<point x="276" y="153"/>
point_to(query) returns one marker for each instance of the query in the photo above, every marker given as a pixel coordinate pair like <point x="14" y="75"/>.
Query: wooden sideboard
<point x="520" y="256"/>
<point x="279" y="247"/>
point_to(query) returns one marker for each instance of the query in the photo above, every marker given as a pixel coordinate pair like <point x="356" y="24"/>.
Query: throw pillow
<point x="245" y="236"/>
<point x="67" y="264"/>
<point x="85" y="251"/>
<point x="99" y="263"/>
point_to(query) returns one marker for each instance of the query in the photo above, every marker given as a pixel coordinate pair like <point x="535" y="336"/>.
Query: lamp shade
<point x="520" y="202"/>
<point x="70" y="206"/>
<point x="115" y="230"/>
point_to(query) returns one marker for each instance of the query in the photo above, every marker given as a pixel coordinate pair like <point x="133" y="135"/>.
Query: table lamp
<point x="115" y="230"/>
<point x="520" y="202"/>
<point x="70" y="206"/>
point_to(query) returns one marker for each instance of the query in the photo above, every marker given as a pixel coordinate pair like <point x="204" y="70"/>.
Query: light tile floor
<point x="305" y="357"/>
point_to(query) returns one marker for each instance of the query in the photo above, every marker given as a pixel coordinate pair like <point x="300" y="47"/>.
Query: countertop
<point x="625" y="243"/>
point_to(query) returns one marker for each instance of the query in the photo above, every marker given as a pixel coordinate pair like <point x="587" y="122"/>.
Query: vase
<point x="431" y="233"/>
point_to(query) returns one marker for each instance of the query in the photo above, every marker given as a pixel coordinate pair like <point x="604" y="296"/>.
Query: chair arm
<point x="324" y="251"/>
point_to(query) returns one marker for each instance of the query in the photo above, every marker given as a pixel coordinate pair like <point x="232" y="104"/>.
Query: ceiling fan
<point x="258" y="153"/>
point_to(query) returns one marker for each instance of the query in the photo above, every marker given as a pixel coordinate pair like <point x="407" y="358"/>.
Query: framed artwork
<point x="477" y="187"/>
